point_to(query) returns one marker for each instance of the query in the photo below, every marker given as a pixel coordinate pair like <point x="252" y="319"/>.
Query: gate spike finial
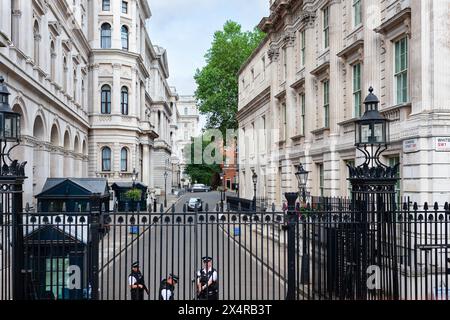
<point x="161" y="208"/>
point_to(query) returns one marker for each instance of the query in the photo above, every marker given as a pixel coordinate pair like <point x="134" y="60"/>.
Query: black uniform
<point x="166" y="286"/>
<point x="137" y="293"/>
<point x="212" y="291"/>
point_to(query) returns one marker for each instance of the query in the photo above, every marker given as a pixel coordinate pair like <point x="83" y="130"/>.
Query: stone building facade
<point x="189" y="127"/>
<point x="302" y="90"/>
<point x="91" y="87"/>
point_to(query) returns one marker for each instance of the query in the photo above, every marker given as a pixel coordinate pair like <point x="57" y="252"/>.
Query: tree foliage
<point x="217" y="82"/>
<point x="201" y="171"/>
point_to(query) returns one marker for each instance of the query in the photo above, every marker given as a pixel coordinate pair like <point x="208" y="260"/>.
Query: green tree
<point x="217" y="82"/>
<point x="199" y="170"/>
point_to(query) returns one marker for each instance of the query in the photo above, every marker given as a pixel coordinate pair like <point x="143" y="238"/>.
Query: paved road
<point x="176" y="243"/>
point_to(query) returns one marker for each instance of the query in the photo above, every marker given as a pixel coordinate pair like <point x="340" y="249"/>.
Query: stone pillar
<point x="95" y="91"/>
<point x="116" y="41"/>
<point x="332" y="168"/>
<point x="132" y="99"/>
<point x="146" y="164"/>
<point x="116" y="90"/>
<point x="5" y="13"/>
<point x="140" y="108"/>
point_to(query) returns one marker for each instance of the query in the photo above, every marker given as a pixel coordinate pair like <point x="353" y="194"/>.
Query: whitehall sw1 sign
<point x="443" y="144"/>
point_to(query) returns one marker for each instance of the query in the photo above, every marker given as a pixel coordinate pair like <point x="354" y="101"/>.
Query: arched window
<point x="124" y="32"/>
<point x="106" y="159"/>
<point x="106" y="5"/>
<point x="106" y="36"/>
<point x="124" y="100"/>
<point x="124" y="159"/>
<point x="106" y="99"/>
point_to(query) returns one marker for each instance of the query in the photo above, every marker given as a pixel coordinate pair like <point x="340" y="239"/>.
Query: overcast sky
<point x="186" y="28"/>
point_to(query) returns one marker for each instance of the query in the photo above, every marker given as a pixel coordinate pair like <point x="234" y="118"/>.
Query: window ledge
<point x="320" y="131"/>
<point x="297" y="137"/>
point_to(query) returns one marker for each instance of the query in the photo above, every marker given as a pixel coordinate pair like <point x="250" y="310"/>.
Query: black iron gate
<point x="335" y="253"/>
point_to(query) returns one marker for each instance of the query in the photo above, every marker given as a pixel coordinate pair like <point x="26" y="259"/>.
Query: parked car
<point x="200" y="188"/>
<point x="195" y="203"/>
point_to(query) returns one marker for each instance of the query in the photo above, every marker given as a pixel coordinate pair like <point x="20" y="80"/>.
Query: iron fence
<point x="339" y="253"/>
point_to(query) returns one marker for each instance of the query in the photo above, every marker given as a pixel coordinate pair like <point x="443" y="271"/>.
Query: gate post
<point x="94" y="229"/>
<point x="291" y="198"/>
<point x="12" y="176"/>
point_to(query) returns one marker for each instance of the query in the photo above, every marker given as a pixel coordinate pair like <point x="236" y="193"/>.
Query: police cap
<point x="206" y="259"/>
<point x="174" y="277"/>
<point x="135" y="264"/>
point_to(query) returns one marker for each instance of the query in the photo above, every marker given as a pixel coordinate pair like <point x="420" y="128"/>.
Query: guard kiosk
<point x="124" y="203"/>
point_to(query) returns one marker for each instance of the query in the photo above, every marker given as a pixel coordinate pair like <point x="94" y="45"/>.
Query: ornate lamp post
<point x="255" y="180"/>
<point x="222" y="190"/>
<point x="12" y="174"/>
<point x="302" y="179"/>
<point x="373" y="197"/>
<point x="165" y="188"/>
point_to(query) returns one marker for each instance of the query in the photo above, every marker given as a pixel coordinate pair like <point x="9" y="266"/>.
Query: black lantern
<point x="372" y="128"/>
<point x="9" y="120"/>
<point x="254" y="178"/>
<point x="134" y="176"/>
<point x="302" y="179"/>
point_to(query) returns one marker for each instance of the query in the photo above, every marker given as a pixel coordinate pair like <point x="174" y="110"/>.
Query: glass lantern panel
<point x="366" y="133"/>
<point x="378" y="132"/>
<point x="2" y="133"/>
<point x="18" y="127"/>
<point x="8" y="127"/>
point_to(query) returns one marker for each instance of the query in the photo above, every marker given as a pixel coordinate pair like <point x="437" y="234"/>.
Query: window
<point x="321" y="179"/>
<point x="357" y="102"/>
<point x="326" y="27"/>
<point x="285" y="63"/>
<point x="106" y="159"/>
<point x="53" y="60"/>
<point x="401" y="70"/>
<point x="124" y="32"/>
<point x="123" y="159"/>
<point x="185" y="111"/>
<point x="350" y="163"/>
<point x="106" y="99"/>
<point x="37" y="40"/>
<point x="302" y="114"/>
<point x="106" y="36"/>
<point x="302" y="47"/>
<point x="357" y="17"/>
<point x="75" y="85"/>
<point x="326" y="104"/>
<point x="65" y="69"/>
<point x="124" y="100"/>
<point x="124" y="7"/>
<point x="283" y="128"/>
<point x="106" y="6"/>
<point x="392" y="162"/>
<point x="263" y="61"/>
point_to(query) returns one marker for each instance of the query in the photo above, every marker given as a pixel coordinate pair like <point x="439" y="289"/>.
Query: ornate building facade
<point x="91" y="87"/>
<point x="188" y="122"/>
<point x="302" y="89"/>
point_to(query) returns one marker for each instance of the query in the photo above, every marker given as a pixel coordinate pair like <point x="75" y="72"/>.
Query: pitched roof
<point x="93" y="185"/>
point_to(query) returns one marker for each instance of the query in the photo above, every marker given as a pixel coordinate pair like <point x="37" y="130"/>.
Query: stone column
<point x="132" y="99"/>
<point x="5" y="22"/>
<point x="116" y="89"/>
<point x="116" y="41"/>
<point x="95" y="91"/>
<point x="146" y="164"/>
<point x="140" y="108"/>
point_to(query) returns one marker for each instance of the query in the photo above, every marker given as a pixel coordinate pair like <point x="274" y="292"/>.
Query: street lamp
<point x="372" y="130"/>
<point x="165" y="187"/>
<point x="255" y="180"/>
<point x="9" y="128"/>
<point x="134" y="176"/>
<point x="302" y="179"/>
<point x="222" y="191"/>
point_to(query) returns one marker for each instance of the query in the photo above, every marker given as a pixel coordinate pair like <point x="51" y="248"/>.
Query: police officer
<point x="207" y="281"/>
<point x="137" y="283"/>
<point x="166" y="290"/>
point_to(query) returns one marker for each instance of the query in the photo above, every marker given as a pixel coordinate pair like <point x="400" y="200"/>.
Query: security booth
<point x="56" y="250"/>
<point x="124" y="202"/>
<point x="73" y="195"/>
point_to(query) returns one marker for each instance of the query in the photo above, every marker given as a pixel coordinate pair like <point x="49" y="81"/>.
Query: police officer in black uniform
<point x="137" y="283"/>
<point x="167" y="288"/>
<point x="207" y="281"/>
